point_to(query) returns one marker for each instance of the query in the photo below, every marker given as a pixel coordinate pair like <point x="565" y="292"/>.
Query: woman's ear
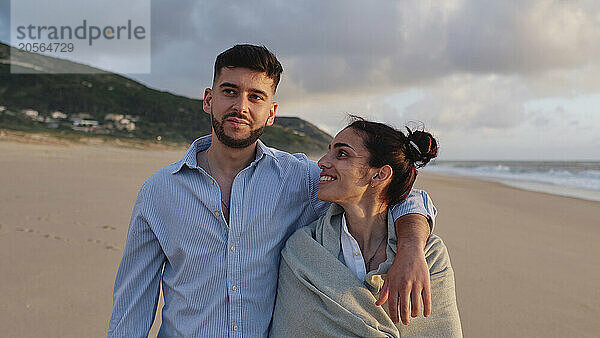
<point x="382" y="175"/>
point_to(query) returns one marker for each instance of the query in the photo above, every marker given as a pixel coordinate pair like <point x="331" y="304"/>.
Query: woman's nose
<point x="323" y="162"/>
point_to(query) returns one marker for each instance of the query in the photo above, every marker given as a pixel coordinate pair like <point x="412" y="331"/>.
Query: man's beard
<point x="229" y="141"/>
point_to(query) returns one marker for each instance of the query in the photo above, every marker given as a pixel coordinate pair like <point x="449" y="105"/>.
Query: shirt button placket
<point x="234" y="259"/>
<point x="234" y="294"/>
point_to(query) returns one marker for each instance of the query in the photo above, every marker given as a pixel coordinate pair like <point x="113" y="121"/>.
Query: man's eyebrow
<point x="340" y="144"/>
<point x="228" y="84"/>
<point x="233" y="85"/>
<point x="258" y="91"/>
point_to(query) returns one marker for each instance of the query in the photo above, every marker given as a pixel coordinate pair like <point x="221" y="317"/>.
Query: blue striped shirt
<point x="218" y="279"/>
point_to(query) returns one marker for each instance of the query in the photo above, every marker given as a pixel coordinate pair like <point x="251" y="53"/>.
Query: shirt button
<point x="234" y="288"/>
<point x="217" y="214"/>
<point x="235" y="327"/>
<point x="356" y="254"/>
<point x="232" y="248"/>
<point x="212" y="182"/>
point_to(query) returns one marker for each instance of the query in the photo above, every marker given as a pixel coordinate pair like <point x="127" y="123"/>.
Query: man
<point x="211" y="226"/>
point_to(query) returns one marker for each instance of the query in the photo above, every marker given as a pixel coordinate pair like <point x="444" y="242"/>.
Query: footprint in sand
<point x="56" y="237"/>
<point x="108" y="227"/>
<point x="25" y="229"/>
<point x="53" y="237"/>
<point x="107" y="246"/>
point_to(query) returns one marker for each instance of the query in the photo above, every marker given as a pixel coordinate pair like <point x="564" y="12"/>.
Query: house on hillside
<point x="85" y="123"/>
<point x="121" y="121"/>
<point x="126" y="124"/>
<point x="58" y="115"/>
<point x="89" y="126"/>
<point x="114" y="117"/>
<point x="32" y="114"/>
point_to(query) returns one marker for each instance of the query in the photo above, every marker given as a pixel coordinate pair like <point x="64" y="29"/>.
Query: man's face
<point x="241" y="106"/>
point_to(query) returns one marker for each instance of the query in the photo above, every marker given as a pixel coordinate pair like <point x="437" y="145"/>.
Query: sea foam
<point x="575" y="179"/>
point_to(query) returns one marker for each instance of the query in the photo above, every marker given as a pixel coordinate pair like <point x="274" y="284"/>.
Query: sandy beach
<point x="526" y="263"/>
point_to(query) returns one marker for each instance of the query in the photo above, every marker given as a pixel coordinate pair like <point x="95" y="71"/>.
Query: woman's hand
<point x="407" y="279"/>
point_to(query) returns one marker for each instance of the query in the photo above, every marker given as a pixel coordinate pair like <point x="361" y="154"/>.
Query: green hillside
<point x="175" y="118"/>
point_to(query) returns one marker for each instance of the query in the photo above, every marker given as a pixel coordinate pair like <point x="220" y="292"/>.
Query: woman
<point x="331" y="271"/>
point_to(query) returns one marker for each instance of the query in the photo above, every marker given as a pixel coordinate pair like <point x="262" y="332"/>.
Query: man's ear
<point x="382" y="175"/>
<point x="206" y="103"/>
<point x="272" y="112"/>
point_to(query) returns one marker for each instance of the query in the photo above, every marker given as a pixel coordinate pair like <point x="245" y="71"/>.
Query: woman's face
<point x="345" y="173"/>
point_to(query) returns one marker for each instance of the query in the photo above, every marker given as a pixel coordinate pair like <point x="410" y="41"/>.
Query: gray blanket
<point x="318" y="296"/>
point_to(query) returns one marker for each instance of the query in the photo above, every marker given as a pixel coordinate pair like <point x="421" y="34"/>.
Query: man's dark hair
<point x="257" y="58"/>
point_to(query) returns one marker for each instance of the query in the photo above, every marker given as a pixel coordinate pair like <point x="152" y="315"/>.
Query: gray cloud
<point x="467" y="102"/>
<point x="337" y="47"/>
<point x="345" y="46"/>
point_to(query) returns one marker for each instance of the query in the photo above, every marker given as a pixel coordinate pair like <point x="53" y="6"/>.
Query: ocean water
<point x="566" y="178"/>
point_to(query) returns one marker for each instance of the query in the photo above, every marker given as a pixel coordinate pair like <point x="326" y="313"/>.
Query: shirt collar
<point x="262" y="149"/>
<point x="190" y="160"/>
<point x="345" y="225"/>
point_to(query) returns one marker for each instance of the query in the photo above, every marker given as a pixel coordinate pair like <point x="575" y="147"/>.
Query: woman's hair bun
<point x="422" y="147"/>
<point x="404" y="153"/>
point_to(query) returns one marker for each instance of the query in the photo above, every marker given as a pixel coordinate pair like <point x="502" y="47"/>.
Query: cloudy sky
<point x="492" y="79"/>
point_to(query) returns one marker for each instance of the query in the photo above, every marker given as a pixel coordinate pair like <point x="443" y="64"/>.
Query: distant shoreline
<point x="71" y="139"/>
<point x="578" y="179"/>
<point x="67" y="140"/>
<point x="554" y="190"/>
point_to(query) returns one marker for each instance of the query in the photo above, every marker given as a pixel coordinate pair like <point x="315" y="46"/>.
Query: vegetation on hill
<point x="174" y="118"/>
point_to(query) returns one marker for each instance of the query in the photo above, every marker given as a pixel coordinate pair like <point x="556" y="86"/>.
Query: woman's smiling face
<point x="345" y="170"/>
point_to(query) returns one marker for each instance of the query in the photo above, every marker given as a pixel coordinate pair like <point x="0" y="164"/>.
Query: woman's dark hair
<point x="404" y="153"/>
<point x="257" y="58"/>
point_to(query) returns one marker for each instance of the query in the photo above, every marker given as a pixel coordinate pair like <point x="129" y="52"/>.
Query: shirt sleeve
<point x="417" y="202"/>
<point x="313" y="175"/>
<point x="136" y="290"/>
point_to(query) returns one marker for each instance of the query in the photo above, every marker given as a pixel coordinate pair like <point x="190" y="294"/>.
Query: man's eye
<point x="256" y="97"/>
<point x="228" y="91"/>
<point x="342" y="153"/>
